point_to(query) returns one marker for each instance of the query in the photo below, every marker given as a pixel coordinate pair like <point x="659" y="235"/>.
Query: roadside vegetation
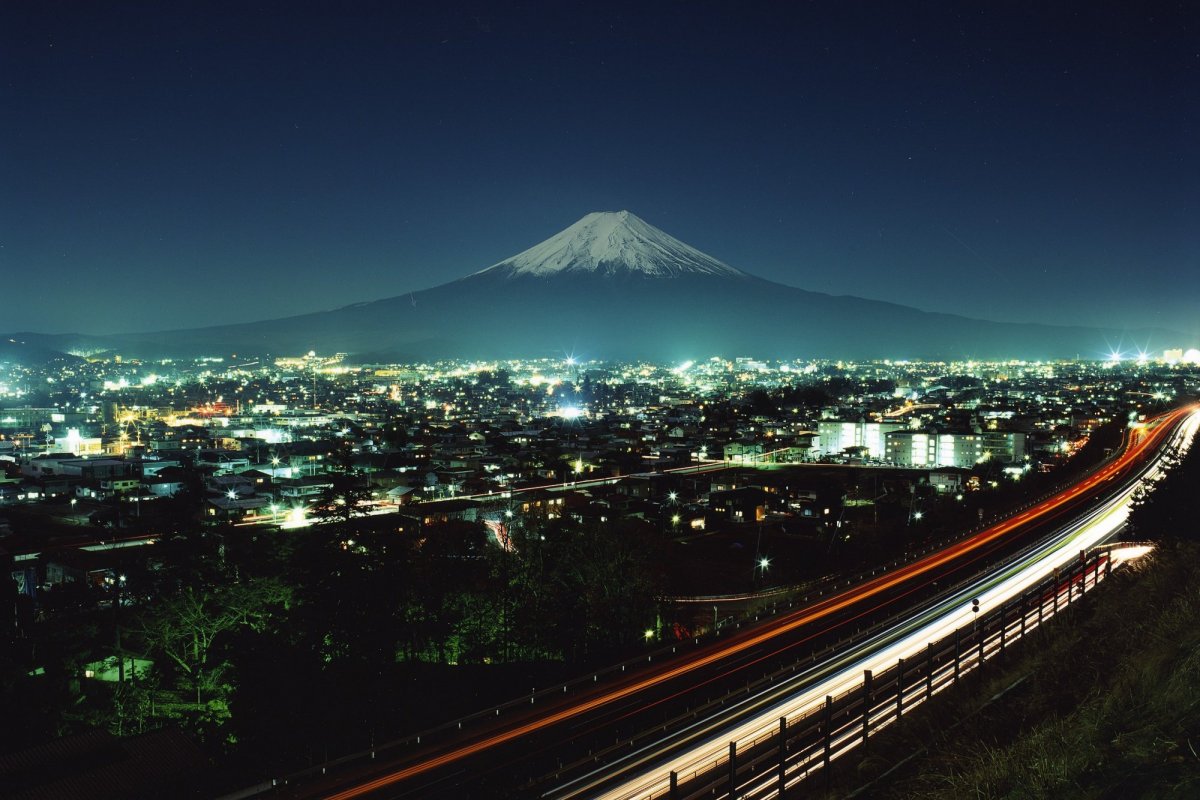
<point x="278" y="649"/>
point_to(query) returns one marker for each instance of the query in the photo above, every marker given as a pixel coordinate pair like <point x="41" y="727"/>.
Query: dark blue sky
<point x="165" y="165"/>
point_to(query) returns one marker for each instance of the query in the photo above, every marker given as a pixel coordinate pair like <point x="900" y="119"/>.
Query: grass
<point x="1109" y="706"/>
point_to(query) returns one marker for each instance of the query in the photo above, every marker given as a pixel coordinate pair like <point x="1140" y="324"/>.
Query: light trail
<point x="908" y="640"/>
<point x="1141" y="441"/>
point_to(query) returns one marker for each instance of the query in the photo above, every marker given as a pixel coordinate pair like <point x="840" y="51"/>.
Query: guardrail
<point x="803" y="745"/>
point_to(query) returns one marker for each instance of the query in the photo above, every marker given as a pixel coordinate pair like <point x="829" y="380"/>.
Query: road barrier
<point x="806" y="744"/>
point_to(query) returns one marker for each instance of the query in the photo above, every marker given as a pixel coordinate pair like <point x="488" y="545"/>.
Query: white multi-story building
<point x="835" y="436"/>
<point x="924" y="449"/>
<point x="1005" y="446"/>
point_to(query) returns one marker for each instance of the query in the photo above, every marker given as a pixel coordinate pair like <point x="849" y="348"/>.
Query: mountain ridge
<point x="615" y="287"/>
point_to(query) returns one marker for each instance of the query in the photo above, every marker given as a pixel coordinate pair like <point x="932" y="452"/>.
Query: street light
<point x="763" y="563"/>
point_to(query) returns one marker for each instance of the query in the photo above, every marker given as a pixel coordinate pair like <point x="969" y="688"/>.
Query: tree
<point x="186" y="629"/>
<point x="1166" y="511"/>
<point x="344" y="500"/>
<point x="579" y="591"/>
<point x="348" y="494"/>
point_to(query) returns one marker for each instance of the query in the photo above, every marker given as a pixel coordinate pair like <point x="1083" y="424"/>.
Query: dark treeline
<point x="280" y="648"/>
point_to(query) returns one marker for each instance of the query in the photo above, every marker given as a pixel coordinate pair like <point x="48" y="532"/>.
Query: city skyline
<point x="208" y="165"/>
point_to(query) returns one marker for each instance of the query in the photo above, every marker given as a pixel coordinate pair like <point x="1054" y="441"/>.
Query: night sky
<point x="166" y="165"/>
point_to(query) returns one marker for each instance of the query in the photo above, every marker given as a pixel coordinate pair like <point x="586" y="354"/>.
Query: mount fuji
<point x="612" y="244"/>
<point x="612" y="286"/>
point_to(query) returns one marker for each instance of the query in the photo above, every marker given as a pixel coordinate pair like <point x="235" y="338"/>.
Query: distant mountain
<point x="611" y="244"/>
<point x="16" y="350"/>
<point x="612" y="286"/>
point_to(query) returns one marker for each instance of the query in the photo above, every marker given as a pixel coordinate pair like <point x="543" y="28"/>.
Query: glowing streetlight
<point x="917" y="515"/>
<point x="649" y="634"/>
<point x="763" y="563"/>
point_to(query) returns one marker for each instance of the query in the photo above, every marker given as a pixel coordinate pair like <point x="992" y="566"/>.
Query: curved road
<point x="589" y="717"/>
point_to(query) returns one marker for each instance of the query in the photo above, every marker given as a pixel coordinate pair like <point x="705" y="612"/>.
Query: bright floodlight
<point x="231" y="494"/>
<point x="570" y="361"/>
<point x="296" y="518"/>
<point x="672" y="496"/>
<point x="649" y="634"/>
<point x="1192" y="356"/>
<point x="918" y="515"/>
<point x="570" y="412"/>
<point x="764" y="562"/>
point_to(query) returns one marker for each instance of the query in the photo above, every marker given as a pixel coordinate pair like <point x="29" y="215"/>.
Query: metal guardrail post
<point x="733" y="771"/>
<point x="928" y="670"/>
<point x="674" y="785"/>
<point x="1024" y="612"/>
<point x="957" y="653"/>
<point x="782" y="757"/>
<point x="866" y="697"/>
<point x="827" y="730"/>
<point x="1003" y="625"/>
<point x="899" y="688"/>
<point x="1041" y="602"/>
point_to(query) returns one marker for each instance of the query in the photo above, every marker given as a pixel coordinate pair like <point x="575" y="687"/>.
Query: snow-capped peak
<point x="611" y="243"/>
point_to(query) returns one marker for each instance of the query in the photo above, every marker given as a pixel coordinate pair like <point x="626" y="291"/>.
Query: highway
<point x="758" y="717"/>
<point x="563" y="734"/>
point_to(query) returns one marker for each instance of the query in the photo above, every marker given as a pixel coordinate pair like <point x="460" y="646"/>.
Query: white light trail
<point x="1030" y="570"/>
